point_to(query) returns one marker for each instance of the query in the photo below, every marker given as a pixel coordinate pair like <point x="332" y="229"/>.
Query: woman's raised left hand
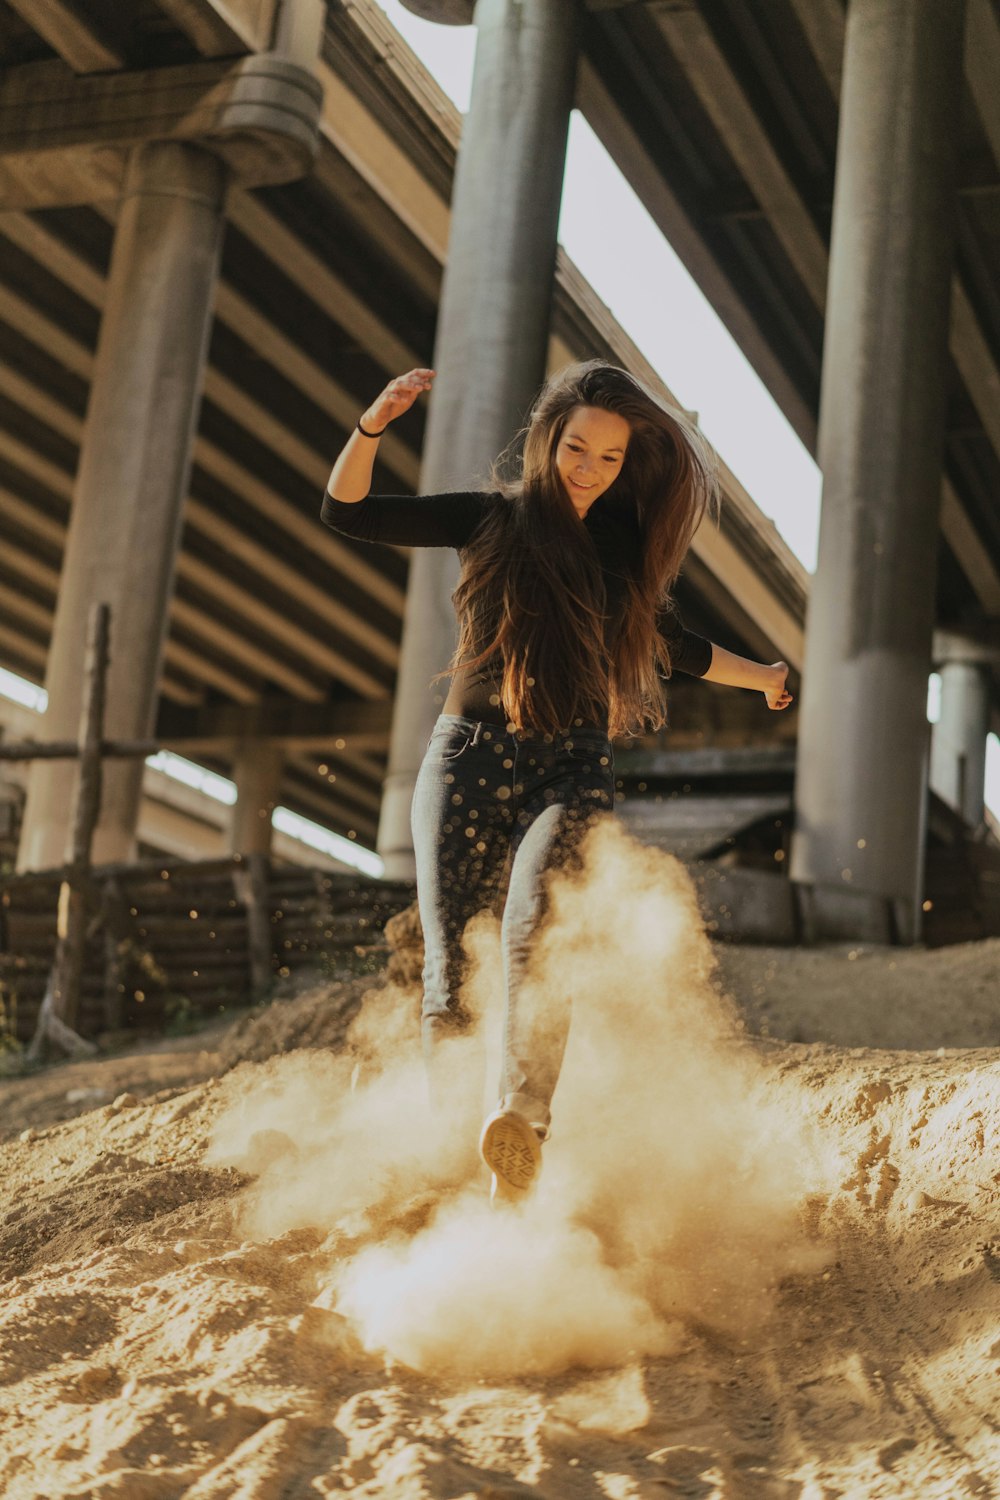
<point x="776" y="694"/>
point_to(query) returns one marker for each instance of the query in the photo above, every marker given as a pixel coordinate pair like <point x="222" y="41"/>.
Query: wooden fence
<point x="168" y="941"/>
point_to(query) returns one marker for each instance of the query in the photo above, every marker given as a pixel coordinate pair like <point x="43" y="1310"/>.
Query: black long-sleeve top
<point x="450" y="520"/>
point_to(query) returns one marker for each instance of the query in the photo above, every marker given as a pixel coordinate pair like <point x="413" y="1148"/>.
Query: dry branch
<point x="57" y="1017"/>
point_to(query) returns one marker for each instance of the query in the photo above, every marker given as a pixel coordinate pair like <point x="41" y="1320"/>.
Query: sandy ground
<point x="242" y="1265"/>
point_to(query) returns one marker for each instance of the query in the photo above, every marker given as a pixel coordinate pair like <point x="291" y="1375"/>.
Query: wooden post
<point x="58" y="1015"/>
<point x="114" y="919"/>
<point x="251" y="884"/>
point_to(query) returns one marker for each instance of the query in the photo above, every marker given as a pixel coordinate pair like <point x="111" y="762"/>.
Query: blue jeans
<point x="493" y="813"/>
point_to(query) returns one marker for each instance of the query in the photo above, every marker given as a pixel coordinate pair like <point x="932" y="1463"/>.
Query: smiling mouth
<point x="580" y="486"/>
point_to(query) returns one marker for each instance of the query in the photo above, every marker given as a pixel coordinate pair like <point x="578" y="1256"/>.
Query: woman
<point x="566" y="636"/>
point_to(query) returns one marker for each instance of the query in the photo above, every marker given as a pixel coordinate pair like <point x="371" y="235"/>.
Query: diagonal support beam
<point x="643" y="175"/>
<point x="60" y="23"/>
<point x="296" y="725"/>
<point x="222" y="28"/>
<point x="982" y="67"/>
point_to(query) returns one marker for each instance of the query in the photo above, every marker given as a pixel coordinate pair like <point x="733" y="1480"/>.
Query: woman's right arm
<point x="446" y="520"/>
<point x="351" y="478"/>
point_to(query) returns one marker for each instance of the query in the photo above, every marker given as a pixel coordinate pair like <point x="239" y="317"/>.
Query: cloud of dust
<point x="671" y="1184"/>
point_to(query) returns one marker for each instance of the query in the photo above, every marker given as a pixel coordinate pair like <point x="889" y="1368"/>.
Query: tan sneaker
<point x="511" y="1148"/>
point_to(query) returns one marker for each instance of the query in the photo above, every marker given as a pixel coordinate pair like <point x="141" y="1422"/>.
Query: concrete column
<point x="492" y="334"/>
<point x="958" y="739"/>
<point x="132" y="478"/>
<point x="257" y="772"/>
<point x="863" y="740"/>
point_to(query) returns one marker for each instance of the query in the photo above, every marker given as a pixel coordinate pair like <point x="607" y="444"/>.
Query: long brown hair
<point x="531" y="589"/>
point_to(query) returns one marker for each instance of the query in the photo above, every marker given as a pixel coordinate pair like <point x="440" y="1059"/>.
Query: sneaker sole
<point x="511" y="1149"/>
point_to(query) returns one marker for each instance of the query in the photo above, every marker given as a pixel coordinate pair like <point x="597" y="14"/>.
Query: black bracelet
<point x="366" y="433"/>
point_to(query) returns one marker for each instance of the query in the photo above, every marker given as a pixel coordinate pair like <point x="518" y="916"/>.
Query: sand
<point x="162" y="1338"/>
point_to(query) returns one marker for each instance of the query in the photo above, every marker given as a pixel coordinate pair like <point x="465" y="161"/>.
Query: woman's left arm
<point x="738" y="671"/>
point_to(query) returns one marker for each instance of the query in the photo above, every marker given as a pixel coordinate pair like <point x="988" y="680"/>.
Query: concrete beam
<point x="708" y="764"/>
<point x="975" y="359"/>
<point x="260" y="662"/>
<point x="973" y="555"/>
<point x="364" y="797"/>
<point x="77" y="42"/>
<point x="268" y="664"/>
<point x="749" y="591"/>
<point x="304" y="529"/>
<point x="207" y="673"/>
<point x="693" y="43"/>
<point x="380" y="160"/>
<point x="279" y="350"/>
<point x="62" y="344"/>
<point x="223" y="28"/>
<point x="67" y="140"/>
<point x="33" y="568"/>
<point x="48" y="335"/>
<point x="199" y="518"/>
<point x="179" y="821"/>
<point x="981" y="646"/>
<point x="325" y="807"/>
<point x="459" y="12"/>
<point x="328" y="290"/>
<point x="721" y="601"/>
<point x="347" y="727"/>
<point x="822" y="22"/>
<point x="982" y="67"/>
<point x="645" y="178"/>
<point x="17" y="646"/>
<point x="322" y="602"/>
<point x="263" y="663"/>
<point x="274" y="344"/>
<point x="23" y="610"/>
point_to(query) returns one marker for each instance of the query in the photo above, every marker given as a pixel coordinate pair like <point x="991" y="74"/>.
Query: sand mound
<point x="318" y="1017"/>
<point x="150" y="1350"/>
<point x="755" y="1269"/>
<point x="864" y="995"/>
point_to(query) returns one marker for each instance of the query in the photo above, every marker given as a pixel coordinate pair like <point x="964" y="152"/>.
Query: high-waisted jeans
<point x="493" y="813"/>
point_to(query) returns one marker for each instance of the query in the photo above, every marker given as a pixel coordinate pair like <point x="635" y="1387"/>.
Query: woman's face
<point x="590" y="453"/>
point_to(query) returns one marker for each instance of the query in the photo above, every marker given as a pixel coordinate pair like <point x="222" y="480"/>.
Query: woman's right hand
<point x="397" y="398"/>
